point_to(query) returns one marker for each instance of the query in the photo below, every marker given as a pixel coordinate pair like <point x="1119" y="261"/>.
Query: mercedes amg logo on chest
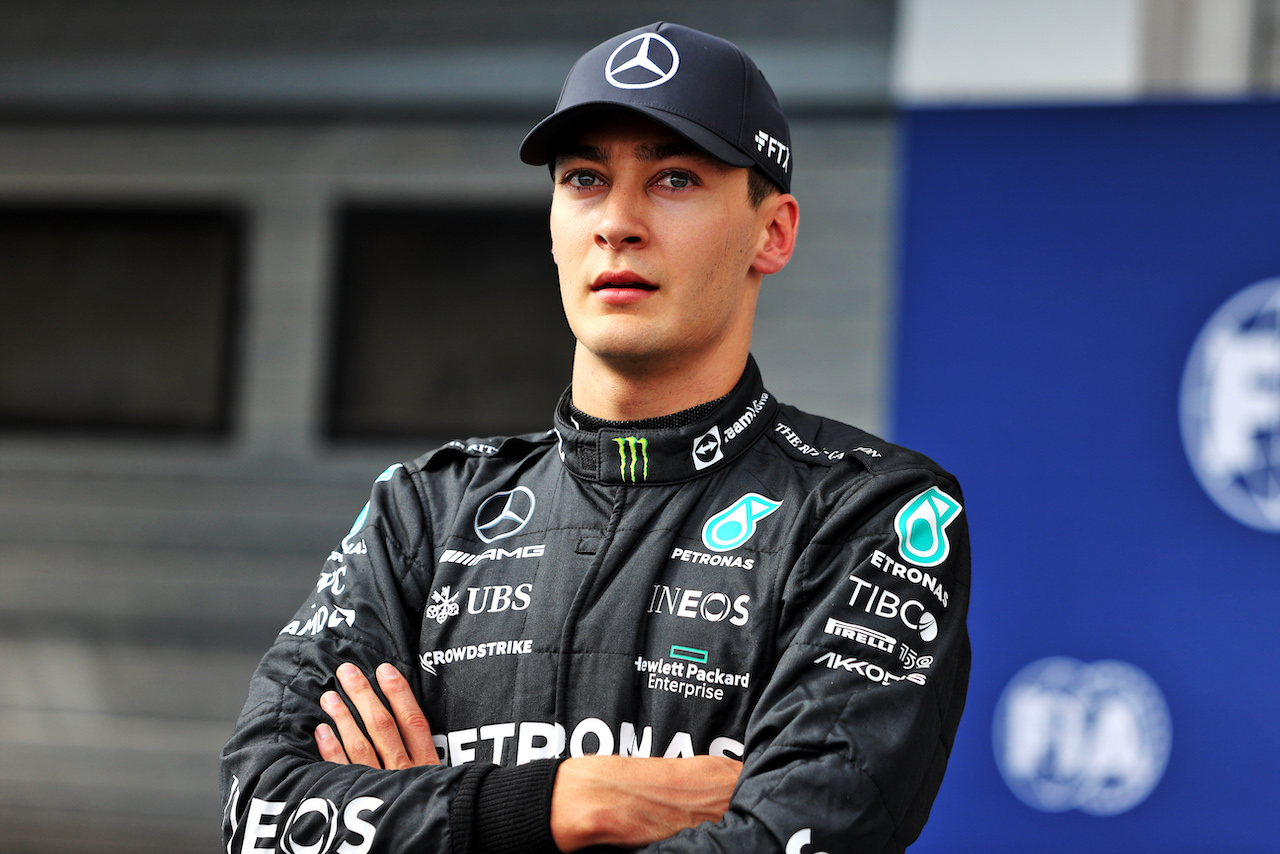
<point x="504" y="514"/>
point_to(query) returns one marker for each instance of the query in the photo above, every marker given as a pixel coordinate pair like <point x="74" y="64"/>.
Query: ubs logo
<point x="1231" y="406"/>
<point x="642" y="62"/>
<point x="1093" y="737"/>
<point x="504" y="514"/>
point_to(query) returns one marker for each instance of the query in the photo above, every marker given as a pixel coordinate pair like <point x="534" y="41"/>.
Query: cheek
<point x="565" y="245"/>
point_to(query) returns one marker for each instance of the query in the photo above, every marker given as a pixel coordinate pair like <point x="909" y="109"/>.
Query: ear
<point x="779" y="218"/>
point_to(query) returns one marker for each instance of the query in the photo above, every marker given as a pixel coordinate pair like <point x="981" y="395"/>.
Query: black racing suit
<point x="762" y="584"/>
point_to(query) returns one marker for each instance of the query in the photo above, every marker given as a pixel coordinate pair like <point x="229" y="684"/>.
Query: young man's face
<point x="656" y="244"/>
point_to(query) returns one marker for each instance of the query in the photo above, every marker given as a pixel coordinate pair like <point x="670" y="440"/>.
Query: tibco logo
<point x="1093" y="737"/>
<point x="889" y="605"/>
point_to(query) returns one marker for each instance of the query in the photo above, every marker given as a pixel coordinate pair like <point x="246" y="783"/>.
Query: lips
<point x="621" y="280"/>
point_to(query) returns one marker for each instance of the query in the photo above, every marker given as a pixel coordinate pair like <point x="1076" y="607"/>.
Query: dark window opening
<point x="118" y="318"/>
<point x="448" y="324"/>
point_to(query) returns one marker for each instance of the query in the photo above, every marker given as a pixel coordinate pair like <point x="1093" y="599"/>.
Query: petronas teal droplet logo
<point x="922" y="527"/>
<point x="734" y="525"/>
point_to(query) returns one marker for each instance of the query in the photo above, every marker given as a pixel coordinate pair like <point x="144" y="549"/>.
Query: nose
<point x="622" y="221"/>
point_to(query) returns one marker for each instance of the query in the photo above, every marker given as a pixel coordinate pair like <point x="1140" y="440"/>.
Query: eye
<point x="582" y="178"/>
<point x="677" y="180"/>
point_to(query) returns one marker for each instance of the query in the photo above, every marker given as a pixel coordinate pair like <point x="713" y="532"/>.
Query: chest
<point x="639" y="611"/>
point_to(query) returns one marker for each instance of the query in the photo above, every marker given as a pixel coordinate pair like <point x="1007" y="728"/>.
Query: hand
<point x="633" y="801"/>
<point x="402" y="741"/>
<point x="597" y="800"/>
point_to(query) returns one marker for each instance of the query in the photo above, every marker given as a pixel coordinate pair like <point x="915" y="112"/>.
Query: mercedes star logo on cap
<point x="642" y="67"/>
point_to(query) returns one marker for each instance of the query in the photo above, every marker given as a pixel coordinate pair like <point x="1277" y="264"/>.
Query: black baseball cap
<point x="702" y="87"/>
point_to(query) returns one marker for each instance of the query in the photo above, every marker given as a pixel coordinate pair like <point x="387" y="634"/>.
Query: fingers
<point x="330" y="748"/>
<point x="412" y="723"/>
<point x="356" y="748"/>
<point x="381" y="726"/>
<point x="397" y="738"/>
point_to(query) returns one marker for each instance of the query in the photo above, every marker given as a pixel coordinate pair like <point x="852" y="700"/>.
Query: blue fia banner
<point x="1089" y="337"/>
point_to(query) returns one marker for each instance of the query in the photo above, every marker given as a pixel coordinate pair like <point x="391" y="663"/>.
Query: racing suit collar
<point x="654" y="456"/>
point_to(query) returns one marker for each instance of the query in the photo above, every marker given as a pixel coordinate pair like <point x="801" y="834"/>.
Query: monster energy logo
<point x="631" y="449"/>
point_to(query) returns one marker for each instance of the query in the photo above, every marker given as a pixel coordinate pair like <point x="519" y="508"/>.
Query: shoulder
<point x="403" y="496"/>
<point x="846" y="449"/>
<point x="862" y="487"/>
<point x="443" y="473"/>
<point x="462" y="454"/>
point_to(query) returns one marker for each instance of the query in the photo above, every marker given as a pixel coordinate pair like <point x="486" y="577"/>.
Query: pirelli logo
<point x="861" y="634"/>
<point x="633" y="455"/>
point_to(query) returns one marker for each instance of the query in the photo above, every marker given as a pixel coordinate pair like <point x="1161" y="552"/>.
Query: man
<point x="689" y="617"/>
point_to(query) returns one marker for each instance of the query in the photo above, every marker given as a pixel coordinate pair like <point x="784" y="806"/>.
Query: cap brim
<point x="539" y="146"/>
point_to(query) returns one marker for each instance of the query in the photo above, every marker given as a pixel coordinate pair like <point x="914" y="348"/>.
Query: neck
<point x="630" y="392"/>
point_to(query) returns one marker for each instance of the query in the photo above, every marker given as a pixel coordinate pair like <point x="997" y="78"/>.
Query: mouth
<point x="621" y="280"/>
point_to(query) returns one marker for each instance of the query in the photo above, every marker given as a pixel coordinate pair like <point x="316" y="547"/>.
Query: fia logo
<point x="734" y="525"/>
<point x="1093" y="737"/>
<point x="1231" y="406"/>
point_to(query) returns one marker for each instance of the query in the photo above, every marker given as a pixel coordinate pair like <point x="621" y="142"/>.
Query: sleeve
<point x="366" y="608"/>
<point x="847" y="746"/>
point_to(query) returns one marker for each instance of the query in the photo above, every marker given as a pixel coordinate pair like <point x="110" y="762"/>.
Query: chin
<point x="624" y="348"/>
